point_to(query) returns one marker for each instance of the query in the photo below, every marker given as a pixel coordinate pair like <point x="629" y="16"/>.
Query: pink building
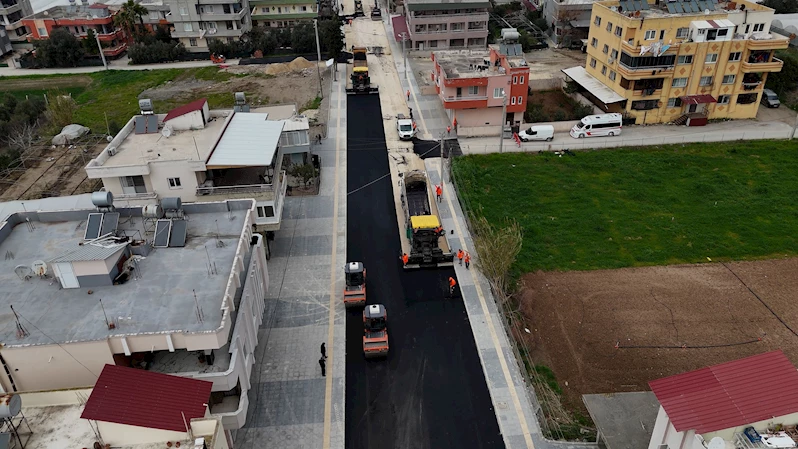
<point x="473" y="84"/>
<point x="432" y="24"/>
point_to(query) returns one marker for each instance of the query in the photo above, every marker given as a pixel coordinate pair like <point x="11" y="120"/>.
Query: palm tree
<point x="127" y="17"/>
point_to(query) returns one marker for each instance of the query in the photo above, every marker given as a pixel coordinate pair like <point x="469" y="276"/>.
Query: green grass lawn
<point x="641" y="206"/>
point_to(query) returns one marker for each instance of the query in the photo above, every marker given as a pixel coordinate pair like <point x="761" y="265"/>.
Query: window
<point x="183" y="11"/>
<point x="265" y="211"/>
<point x="650" y="35"/>
<point x="682" y="33"/>
<point x="42" y="31"/>
<point x="723" y="32"/>
<point x="187" y="26"/>
<point x="515" y="80"/>
<point x="520" y="99"/>
<point x="609" y="27"/>
<point x="711" y="58"/>
<point x="192" y="42"/>
<point x="521" y="80"/>
<point x="210" y="9"/>
<point x="735" y="56"/>
<point x="294" y="138"/>
<point x="747" y="28"/>
<point x="614" y="54"/>
<point x="661" y="34"/>
<point x="645" y="105"/>
<point x="728" y="79"/>
<point x="304" y="8"/>
<point x="132" y="184"/>
<point x="174" y="183"/>
<point x="618" y="31"/>
<point x="679" y="82"/>
<point x="606" y="49"/>
<point x="759" y="27"/>
<point x="612" y="75"/>
<point x="593" y="63"/>
<point x="685" y="59"/>
<point x="705" y="81"/>
<point x="512" y="100"/>
<point x="473" y="90"/>
<point x="603" y="70"/>
<point x="746" y="98"/>
<point x="674" y="102"/>
<point x="594" y="43"/>
<point x="597" y="21"/>
<point x="724" y="99"/>
<point x="498" y="92"/>
<point x="154" y="15"/>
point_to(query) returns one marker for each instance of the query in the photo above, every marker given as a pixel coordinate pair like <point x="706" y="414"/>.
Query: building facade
<point x="196" y="22"/>
<point x="5" y="42"/>
<point x="568" y="20"/>
<point x="282" y="13"/>
<point x="659" y="64"/>
<point x="78" y="19"/>
<point x="474" y="85"/>
<point x="11" y="14"/>
<point x="433" y="24"/>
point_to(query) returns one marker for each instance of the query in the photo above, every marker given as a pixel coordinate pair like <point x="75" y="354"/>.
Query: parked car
<point x="537" y="132"/>
<point x="770" y="99"/>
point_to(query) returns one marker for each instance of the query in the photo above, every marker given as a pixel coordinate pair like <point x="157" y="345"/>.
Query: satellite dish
<point x="23" y="272"/>
<point x="109" y="138"/>
<point x="706" y="11"/>
<point x="39" y="267"/>
<point x="717" y="443"/>
<point x="166" y="131"/>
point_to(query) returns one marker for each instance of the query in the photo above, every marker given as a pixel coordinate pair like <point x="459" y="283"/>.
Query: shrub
<point x="155" y="52"/>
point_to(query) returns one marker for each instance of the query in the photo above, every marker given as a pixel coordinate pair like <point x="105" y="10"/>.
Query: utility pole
<point x="504" y="114"/>
<point x="318" y="54"/>
<point x="102" y="55"/>
<point x="404" y="52"/>
<point x="443" y="162"/>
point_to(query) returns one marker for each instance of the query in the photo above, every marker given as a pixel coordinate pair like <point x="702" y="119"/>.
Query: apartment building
<point x="198" y="155"/>
<point x="5" y="42"/>
<point x="78" y="19"/>
<point x="11" y="14"/>
<point x="168" y="287"/>
<point x="195" y="22"/>
<point x="569" y="20"/>
<point x="433" y="24"/>
<point x="473" y="85"/>
<point x="158" y="13"/>
<point x="683" y="62"/>
<point x="282" y="13"/>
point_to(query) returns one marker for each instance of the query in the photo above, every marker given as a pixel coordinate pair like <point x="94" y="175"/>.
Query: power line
<point x="389" y="174"/>
<point x="58" y="344"/>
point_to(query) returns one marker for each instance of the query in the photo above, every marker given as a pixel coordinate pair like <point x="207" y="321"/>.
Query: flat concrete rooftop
<point x="467" y="64"/>
<point x="76" y="12"/>
<point x="195" y="145"/>
<point x="161" y="300"/>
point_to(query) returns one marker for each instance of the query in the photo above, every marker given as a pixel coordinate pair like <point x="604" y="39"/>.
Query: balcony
<point x="7" y="9"/>
<point x="779" y="42"/>
<point x="772" y="66"/>
<point x="465" y="101"/>
<point x="635" y="49"/>
<point x="262" y="192"/>
<point x="449" y="18"/>
<point x="636" y="73"/>
<point x="136" y="196"/>
<point x="210" y="17"/>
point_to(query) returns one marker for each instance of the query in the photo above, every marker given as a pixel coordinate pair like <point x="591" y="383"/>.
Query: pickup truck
<point x="404" y="126"/>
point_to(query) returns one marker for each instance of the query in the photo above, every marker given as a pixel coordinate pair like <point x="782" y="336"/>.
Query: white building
<point x="746" y="403"/>
<point x="198" y="155"/>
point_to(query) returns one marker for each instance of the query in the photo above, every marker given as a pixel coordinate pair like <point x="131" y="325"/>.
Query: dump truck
<point x="428" y="245"/>
<point x="375" y="331"/>
<point x="376" y="13"/>
<point x="359" y="81"/>
<point x="355" y="284"/>
<point x="359" y="9"/>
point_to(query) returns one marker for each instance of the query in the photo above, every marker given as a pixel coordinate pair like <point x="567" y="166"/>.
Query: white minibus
<point x="598" y="125"/>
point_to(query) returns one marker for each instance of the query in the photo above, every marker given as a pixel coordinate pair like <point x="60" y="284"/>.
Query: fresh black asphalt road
<point x="430" y="392"/>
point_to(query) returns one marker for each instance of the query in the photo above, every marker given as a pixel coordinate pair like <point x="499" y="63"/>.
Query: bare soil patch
<point x="50" y="83"/>
<point x="663" y="320"/>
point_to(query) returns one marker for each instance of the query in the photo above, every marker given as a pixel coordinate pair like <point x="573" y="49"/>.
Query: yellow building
<point x="679" y="61"/>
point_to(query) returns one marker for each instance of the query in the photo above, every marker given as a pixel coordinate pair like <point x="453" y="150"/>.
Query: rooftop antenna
<point x="110" y="324"/>
<point x="21" y="331"/>
<point x="211" y="265"/>
<point x="219" y="242"/>
<point x="200" y="318"/>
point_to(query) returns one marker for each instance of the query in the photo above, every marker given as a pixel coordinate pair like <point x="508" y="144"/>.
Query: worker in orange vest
<point x="408" y="94"/>
<point x="448" y="129"/>
<point x="414" y="126"/>
<point x="438" y="192"/>
<point x="454" y="123"/>
<point x="405" y="259"/>
<point x="467" y="259"/>
<point x="452" y="283"/>
<point x="460" y="255"/>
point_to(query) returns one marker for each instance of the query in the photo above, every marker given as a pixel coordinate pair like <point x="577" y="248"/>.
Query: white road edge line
<point x="489" y="320"/>
<point x="333" y="293"/>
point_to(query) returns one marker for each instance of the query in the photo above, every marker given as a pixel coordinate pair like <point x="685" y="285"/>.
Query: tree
<point x="305" y="171"/>
<point x="332" y="37"/>
<point x="497" y="247"/>
<point x="62" y="49"/>
<point x="90" y="43"/>
<point x="61" y="110"/>
<point x="155" y="52"/>
<point x="787" y="79"/>
<point x="131" y="19"/>
<point x="303" y="38"/>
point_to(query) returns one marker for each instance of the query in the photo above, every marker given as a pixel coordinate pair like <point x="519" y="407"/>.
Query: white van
<point x="598" y="125"/>
<point x="537" y="132"/>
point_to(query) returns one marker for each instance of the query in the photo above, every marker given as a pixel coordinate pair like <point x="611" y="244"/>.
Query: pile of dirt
<point x="301" y="63"/>
<point x="277" y="68"/>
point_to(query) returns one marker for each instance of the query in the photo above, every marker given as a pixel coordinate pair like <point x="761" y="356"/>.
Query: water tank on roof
<point x="10" y="405"/>
<point x="152" y="211"/>
<point x="102" y="199"/>
<point x="510" y="34"/>
<point x="172" y="203"/>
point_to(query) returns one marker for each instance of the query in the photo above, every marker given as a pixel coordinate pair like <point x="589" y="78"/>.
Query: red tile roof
<point x="185" y="109"/>
<point x="731" y="394"/>
<point x="147" y="399"/>
<point x="98" y="6"/>
<point x="698" y="99"/>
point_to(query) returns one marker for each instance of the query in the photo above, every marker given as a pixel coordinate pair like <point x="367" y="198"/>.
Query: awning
<point x="592" y="85"/>
<point x="698" y="99"/>
<point x="584" y="23"/>
<point x="249" y="140"/>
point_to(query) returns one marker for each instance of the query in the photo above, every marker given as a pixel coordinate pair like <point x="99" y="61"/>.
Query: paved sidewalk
<point x="514" y="402"/>
<point x="291" y="404"/>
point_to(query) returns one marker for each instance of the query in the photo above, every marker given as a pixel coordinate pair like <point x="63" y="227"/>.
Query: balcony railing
<point x="768" y="66"/>
<point x="136" y="196"/>
<point x="234" y="190"/>
<point x="465" y="98"/>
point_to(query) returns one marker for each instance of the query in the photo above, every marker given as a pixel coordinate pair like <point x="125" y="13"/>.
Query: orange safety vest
<point x="460" y="254"/>
<point x="405" y="258"/>
<point x="468" y="257"/>
<point x="438" y="190"/>
<point x="452" y="282"/>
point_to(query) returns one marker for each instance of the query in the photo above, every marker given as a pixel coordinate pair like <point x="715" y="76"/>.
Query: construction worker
<point x="414" y="125"/>
<point x="448" y="129"/>
<point x="411" y="113"/>
<point x="460" y="255"/>
<point x="467" y="259"/>
<point x="452" y="283"/>
<point x="438" y="192"/>
<point x="454" y="123"/>
<point x="323" y="351"/>
<point x="405" y="258"/>
<point x="323" y="366"/>
<point x="408" y="94"/>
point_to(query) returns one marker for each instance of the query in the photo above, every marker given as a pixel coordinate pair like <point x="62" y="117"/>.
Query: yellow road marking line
<point x="333" y="292"/>
<point x="417" y="108"/>
<point x="497" y="346"/>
